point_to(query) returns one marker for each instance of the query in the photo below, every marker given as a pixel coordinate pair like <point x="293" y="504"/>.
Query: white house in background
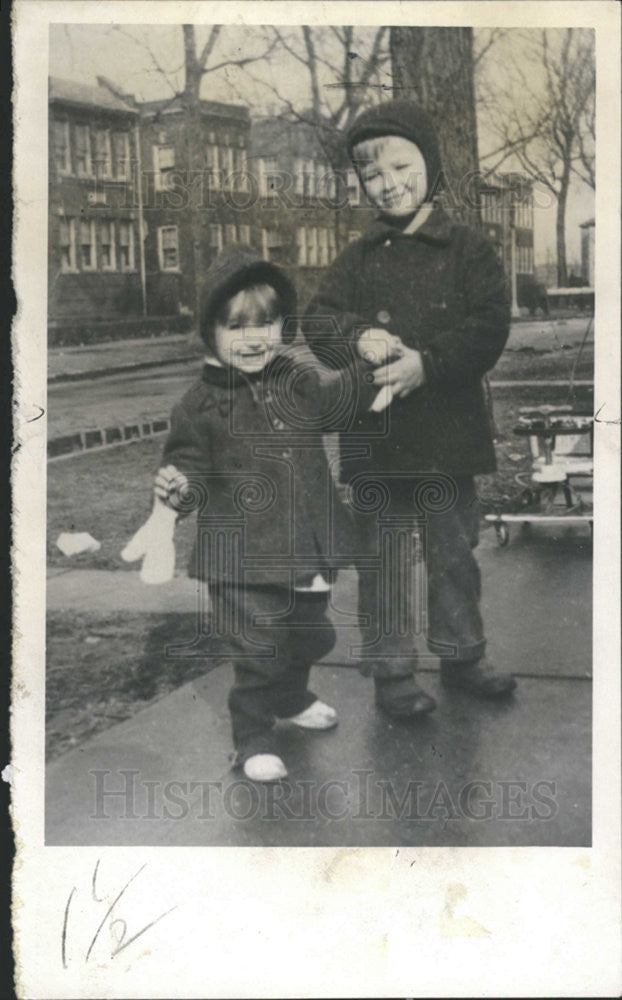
<point x="587" y="251"/>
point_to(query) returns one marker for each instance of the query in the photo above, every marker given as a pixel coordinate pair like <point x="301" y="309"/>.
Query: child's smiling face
<point x="248" y="329"/>
<point x="247" y="348"/>
<point x="393" y="173"/>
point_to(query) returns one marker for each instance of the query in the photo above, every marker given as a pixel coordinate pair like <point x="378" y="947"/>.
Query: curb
<point x="100" y="438"/>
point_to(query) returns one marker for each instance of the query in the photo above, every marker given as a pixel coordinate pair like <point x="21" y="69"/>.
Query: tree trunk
<point x="434" y="67"/>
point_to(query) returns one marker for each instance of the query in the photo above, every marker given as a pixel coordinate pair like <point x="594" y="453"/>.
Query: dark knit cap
<point x="235" y="268"/>
<point x="403" y="118"/>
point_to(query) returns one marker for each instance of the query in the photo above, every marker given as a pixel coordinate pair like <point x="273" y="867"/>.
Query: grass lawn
<point x="102" y="669"/>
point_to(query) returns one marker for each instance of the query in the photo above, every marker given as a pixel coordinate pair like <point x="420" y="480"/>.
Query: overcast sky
<point x="147" y="61"/>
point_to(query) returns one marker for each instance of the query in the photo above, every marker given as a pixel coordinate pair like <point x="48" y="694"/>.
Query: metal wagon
<point x="558" y="488"/>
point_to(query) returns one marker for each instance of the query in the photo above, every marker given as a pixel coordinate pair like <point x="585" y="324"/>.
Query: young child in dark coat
<point x="436" y="288"/>
<point x="245" y="451"/>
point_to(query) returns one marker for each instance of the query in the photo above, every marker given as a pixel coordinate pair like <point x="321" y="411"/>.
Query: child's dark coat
<point x="443" y="292"/>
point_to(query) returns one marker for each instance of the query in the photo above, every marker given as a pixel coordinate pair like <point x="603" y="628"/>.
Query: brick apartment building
<point x="310" y="204"/>
<point x="131" y="224"/>
<point x="124" y="206"/>
<point x="93" y="237"/>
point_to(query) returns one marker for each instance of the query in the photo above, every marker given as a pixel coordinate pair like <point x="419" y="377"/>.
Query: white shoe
<point x="264" y="767"/>
<point x="316" y="716"/>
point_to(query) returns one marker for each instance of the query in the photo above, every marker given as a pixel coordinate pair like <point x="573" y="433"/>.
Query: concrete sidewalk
<point x="474" y="773"/>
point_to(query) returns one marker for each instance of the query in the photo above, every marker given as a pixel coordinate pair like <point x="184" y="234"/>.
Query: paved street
<point x="538" y="744"/>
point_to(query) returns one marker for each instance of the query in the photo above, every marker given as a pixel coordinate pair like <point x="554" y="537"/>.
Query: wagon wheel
<point x="503" y="534"/>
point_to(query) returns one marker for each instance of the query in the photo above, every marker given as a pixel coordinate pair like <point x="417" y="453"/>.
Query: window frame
<point x="73" y="256"/>
<point x="112" y="266"/>
<point x="106" y="174"/>
<point x="93" y="244"/>
<point x="64" y="171"/>
<point x="162" y="178"/>
<point x="131" y="266"/>
<point x="216" y="237"/>
<point x="168" y="270"/>
<point x="121" y="133"/>
<point x="88" y="172"/>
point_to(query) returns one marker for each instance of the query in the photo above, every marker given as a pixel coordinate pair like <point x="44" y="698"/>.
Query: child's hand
<point x="377" y="345"/>
<point x="403" y="375"/>
<point x="169" y="483"/>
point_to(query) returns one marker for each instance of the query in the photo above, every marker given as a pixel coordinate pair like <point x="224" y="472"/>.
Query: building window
<point x="83" y="151"/>
<point x="230" y="234"/>
<point x="87" y="245"/>
<point x="126" y="246"/>
<point x="215" y="237"/>
<point x="270" y="240"/>
<point x="213" y="165"/>
<point x="353" y="235"/>
<point x="121" y="155"/>
<point x="523" y="214"/>
<point x="326" y="184"/>
<point x="241" y="169"/>
<point x="106" y="246"/>
<point x="270" y="176"/>
<point x="103" y="156"/>
<point x="308" y="179"/>
<point x="491" y="207"/>
<point x="163" y="166"/>
<point x="323" y="247"/>
<point x="61" y="149"/>
<point x="168" y="247"/>
<point x="245" y="235"/>
<point x="353" y="187"/>
<point x="227" y="163"/>
<point x="524" y="260"/>
<point x="332" y="246"/>
<point x="68" y="245"/>
<point x="301" y="244"/>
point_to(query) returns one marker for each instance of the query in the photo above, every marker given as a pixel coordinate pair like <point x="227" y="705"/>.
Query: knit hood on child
<point x="235" y="268"/>
<point x="405" y="119"/>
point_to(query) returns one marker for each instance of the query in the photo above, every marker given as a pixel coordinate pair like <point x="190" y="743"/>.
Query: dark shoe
<point x="402" y="698"/>
<point x="478" y="677"/>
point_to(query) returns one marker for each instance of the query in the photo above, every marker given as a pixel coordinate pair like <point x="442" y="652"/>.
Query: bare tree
<point x="544" y="116"/>
<point x="343" y="69"/>
<point x="199" y="62"/>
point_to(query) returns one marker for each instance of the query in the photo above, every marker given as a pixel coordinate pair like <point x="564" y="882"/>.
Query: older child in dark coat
<point x="437" y="286"/>
<point x="245" y="450"/>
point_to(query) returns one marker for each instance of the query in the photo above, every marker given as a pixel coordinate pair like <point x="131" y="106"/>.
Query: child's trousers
<point x="431" y="594"/>
<point x="274" y="635"/>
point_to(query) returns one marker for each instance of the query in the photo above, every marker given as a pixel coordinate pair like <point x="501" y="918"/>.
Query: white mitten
<point x="154" y="544"/>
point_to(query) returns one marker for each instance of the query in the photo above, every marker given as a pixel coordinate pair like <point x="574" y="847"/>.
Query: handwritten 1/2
<point x="118" y="926"/>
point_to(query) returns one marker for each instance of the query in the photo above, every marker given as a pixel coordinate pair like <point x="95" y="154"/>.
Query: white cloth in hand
<point x="154" y="544"/>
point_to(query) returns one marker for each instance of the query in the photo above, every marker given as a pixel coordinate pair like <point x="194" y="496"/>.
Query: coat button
<point x="383" y="316"/>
